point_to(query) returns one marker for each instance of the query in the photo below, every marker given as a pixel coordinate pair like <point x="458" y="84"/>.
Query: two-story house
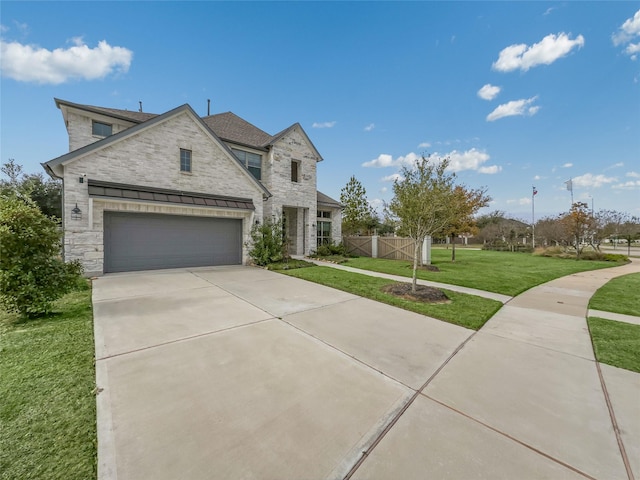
<point x="145" y="191"/>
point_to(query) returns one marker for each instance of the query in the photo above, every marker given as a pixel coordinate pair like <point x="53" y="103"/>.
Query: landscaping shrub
<point x="614" y="257"/>
<point x="267" y="242"/>
<point x="330" y="249"/>
<point x="499" y="246"/>
<point x="561" y="252"/>
<point x="289" y="264"/>
<point x="32" y="274"/>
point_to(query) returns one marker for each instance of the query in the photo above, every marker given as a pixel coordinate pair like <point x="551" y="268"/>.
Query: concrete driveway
<point x="238" y="372"/>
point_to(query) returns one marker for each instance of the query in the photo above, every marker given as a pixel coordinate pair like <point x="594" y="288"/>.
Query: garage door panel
<point x="148" y="241"/>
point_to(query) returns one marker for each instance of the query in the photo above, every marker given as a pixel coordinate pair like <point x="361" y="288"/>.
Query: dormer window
<point x="252" y="161"/>
<point x="100" y="129"/>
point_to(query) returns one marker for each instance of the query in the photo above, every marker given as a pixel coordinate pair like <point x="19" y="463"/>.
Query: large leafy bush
<point x="32" y="274"/>
<point x="267" y="242"/>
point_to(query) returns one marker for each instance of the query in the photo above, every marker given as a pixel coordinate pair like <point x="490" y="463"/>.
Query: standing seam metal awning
<point x="123" y="191"/>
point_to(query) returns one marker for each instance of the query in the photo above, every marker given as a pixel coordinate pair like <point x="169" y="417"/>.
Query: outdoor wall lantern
<point x="76" y="213"/>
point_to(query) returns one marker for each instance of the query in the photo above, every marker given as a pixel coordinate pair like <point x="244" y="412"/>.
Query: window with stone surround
<point x="252" y="161"/>
<point x="185" y="160"/>
<point x="100" y="129"/>
<point x="295" y="171"/>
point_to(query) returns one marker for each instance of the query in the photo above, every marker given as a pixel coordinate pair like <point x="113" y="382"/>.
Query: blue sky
<point x="517" y="94"/>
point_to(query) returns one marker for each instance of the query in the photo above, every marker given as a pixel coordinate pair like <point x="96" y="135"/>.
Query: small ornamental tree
<point x="267" y="242"/>
<point x="465" y="204"/>
<point x="422" y="203"/>
<point x="32" y="274"/>
<point x="578" y="222"/>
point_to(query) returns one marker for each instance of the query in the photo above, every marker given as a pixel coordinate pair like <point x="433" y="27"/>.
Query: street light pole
<point x="533" y="217"/>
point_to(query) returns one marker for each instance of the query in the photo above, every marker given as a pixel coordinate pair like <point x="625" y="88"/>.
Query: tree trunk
<point x="453" y="248"/>
<point x="416" y="252"/>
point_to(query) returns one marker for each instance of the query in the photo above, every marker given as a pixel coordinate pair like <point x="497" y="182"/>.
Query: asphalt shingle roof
<point x="228" y="126"/>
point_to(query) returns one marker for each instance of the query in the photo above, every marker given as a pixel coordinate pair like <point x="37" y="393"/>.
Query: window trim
<point x="245" y="161"/>
<point x="94" y="123"/>
<point x="190" y="164"/>
<point x="323" y="239"/>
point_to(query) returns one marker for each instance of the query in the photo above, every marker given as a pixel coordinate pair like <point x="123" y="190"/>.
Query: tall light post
<point x="533" y="217"/>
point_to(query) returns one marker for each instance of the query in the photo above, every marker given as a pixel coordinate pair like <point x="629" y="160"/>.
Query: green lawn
<point x="500" y="272"/>
<point x="47" y="404"/>
<point x="465" y="310"/>
<point x="619" y="295"/>
<point x="616" y="343"/>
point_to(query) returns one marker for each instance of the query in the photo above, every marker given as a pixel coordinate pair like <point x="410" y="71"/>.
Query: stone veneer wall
<point x="301" y="194"/>
<point x="151" y="157"/>
<point x="80" y="126"/>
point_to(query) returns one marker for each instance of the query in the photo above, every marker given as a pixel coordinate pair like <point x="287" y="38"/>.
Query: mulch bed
<point x="422" y="294"/>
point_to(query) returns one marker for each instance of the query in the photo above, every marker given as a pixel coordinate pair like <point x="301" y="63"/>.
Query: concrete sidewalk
<point x="397" y="278"/>
<point x="238" y="372"/>
<point x="529" y="378"/>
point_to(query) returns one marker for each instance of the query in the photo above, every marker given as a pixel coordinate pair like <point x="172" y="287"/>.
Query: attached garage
<point x="140" y="241"/>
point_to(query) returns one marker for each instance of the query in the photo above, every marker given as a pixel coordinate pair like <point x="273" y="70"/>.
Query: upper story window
<point x="295" y="171"/>
<point x="185" y="160"/>
<point x="100" y="129"/>
<point x="252" y="161"/>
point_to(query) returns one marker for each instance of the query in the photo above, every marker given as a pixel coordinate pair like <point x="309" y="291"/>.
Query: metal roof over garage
<point x="123" y="191"/>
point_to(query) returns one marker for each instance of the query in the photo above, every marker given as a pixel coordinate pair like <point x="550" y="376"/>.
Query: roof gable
<point x="54" y="167"/>
<point x="296" y="126"/>
<point x="131" y="116"/>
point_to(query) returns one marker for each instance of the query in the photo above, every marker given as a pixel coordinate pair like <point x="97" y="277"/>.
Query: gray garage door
<point x="134" y="241"/>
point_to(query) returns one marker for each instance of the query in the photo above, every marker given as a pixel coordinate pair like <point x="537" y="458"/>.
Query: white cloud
<point x="630" y="185"/>
<point x="489" y="92"/>
<point x="467" y="160"/>
<point x="514" y="108"/>
<point x="615" y="165"/>
<point x="472" y="159"/>
<point x="549" y="10"/>
<point x="537" y="177"/>
<point x="628" y="30"/>
<point x="632" y="174"/>
<point x="519" y="201"/>
<point x="369" y="127"/>
<point x="323" y="124"/>
<point x="589" y="180"/>
<point x="384" y="190"/>
<point x="548" y="50"/>
<point x="490" y="170"/>
<point x="424" y="145"/>
<point x="567" y="165"/>
<point x="27" y="63"/>
<point x="3" y="28"/>
<point x="376" y="203"/>
<point x="392" y="178"/>
<point x="385" y="160"/>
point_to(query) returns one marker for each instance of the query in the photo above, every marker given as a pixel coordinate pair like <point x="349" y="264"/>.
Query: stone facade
<point x="80" y="127"/>
<point x="296" y="200"/>
<point x="150" y="157"/>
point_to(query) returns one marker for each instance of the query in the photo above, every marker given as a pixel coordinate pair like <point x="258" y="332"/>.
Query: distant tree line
<point x="46" y="193"/>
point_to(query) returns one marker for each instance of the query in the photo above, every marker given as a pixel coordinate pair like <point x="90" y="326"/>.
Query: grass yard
<point x="499" y="272"/>
<point x="616" y="343"/>
<point x="465" y="310"/>
<point x="619" y="295"/>
<point x="47" y="406"/>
